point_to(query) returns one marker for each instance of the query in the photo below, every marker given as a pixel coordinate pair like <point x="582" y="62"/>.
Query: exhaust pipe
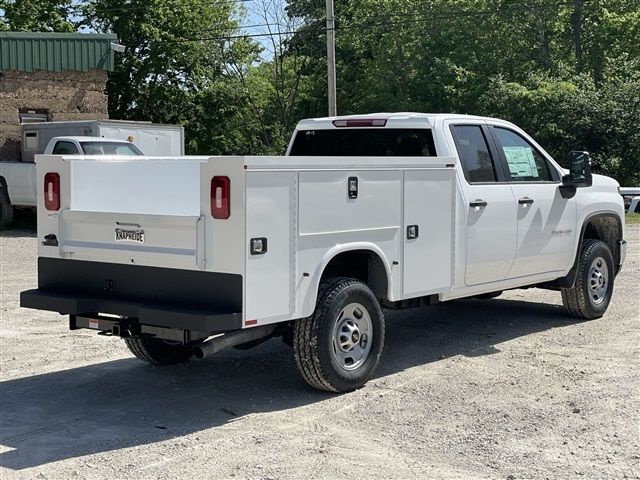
<point x="231" y="340"/>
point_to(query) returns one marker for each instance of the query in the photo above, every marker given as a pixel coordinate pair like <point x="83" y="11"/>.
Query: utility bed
<point x="137" y="237"/>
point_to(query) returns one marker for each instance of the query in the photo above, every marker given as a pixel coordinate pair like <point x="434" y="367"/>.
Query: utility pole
<point x="331" y="59"/>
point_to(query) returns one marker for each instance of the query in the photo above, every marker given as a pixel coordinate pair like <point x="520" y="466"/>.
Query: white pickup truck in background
<point x="184" y="256"/>
<point x="88" y="137"/>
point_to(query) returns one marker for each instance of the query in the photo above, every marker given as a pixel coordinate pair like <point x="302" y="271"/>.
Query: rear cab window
<point x="65" y="148"/>
<point x="478" y="163"/>
<point x="364" y="142"/>
<point x="110" y="148"/>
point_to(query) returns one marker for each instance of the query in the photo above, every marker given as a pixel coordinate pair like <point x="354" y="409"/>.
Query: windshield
<point x="368" y="142"/>
<point x="110" y="148"/>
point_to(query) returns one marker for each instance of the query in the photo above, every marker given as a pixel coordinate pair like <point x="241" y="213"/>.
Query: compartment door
<point x="269" y="279"/>
<point x="428" y="231"/>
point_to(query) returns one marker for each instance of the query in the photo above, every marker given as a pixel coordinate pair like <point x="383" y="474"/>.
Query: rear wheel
<point x="159" y="352"/>
<point x="338" y="347"/>
<point x="591" y="293"/>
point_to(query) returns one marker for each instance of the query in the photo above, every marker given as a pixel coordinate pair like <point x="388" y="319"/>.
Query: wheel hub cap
<point x="351" y="334"/>
<point x="598" y="280"/>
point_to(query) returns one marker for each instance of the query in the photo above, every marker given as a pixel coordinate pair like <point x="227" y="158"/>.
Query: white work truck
<point x="18" y="183"/>
<point x="183" y="256"/>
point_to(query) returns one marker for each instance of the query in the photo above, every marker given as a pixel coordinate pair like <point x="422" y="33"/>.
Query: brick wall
<point x="67" y="95"/>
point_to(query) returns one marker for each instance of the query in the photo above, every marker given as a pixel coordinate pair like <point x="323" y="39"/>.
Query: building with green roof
<point x="51" y="76"/>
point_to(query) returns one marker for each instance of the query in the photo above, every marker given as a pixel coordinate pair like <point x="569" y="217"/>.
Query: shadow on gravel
<point x="125" y="403"/>
<point x="23" y="224"/>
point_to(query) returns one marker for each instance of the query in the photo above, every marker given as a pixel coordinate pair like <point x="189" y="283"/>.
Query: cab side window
<point x="65" y="148"/>
<point x="523" y="160"/>
<point x="473" y="150"/>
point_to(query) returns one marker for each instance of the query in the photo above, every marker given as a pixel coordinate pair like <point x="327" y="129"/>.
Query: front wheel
<point x="157" y="351"/>
<point x="590" y="295"/>
<point x="338" y="347"/>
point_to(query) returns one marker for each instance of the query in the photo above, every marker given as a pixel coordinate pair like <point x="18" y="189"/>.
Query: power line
<point x="344" y="27"/>
<point x="166" y="3"/>
<point x="396" y="20"/>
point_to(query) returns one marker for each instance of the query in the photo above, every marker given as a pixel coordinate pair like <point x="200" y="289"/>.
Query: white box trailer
<point x="183" y="256"/>
<point x="151" y="138"/>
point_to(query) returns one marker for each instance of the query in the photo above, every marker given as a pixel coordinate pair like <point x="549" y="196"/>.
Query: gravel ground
<point x="506" y="388"/>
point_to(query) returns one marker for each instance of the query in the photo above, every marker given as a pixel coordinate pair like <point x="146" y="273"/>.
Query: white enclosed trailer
<point x="151" y="138"/>
<point x="187" y="255"/>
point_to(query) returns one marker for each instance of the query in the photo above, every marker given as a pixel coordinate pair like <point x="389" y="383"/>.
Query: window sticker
<point x="521" y="162"/>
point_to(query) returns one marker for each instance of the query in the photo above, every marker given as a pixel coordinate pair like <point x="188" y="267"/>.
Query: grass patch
<point x="632" y="218"/>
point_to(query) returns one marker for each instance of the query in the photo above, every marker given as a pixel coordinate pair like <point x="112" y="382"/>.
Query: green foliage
<point x="36" y="15"/>
<point x="567" y="72"/>
<point x="174" y="69"/>
<point x="575" y="115"/>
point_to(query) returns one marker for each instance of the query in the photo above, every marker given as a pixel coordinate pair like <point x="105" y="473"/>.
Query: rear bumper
<point x="163" y="297"/>
<point x="146" y="314"/>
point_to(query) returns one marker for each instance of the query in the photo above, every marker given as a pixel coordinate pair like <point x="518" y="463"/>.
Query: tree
<point x="565" y="71"/>
<point x="174" y="61"/>
<point x="274" y="85"/>
<point x="36" y="15"/>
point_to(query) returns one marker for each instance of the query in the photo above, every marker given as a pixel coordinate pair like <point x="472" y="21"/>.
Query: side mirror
<point x="579" y="170"/>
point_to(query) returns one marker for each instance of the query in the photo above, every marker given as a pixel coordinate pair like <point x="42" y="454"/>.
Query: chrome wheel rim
<point x="598" y="280"/>
<point x="352" y="335"/>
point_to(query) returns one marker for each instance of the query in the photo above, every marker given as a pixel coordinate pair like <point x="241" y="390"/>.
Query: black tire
<point x="6" y="209"/>
<point x="488" y="296"/>
<point x="157" y="351"/>
<point x="580" y="301"/>
<point x="313" y="337"/>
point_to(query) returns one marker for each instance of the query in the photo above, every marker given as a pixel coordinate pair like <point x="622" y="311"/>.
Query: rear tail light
<point x="52" y="191"/>
<point x="220" y="197"/>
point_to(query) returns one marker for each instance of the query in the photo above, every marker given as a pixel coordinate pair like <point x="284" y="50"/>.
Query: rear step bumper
<point x="164" y="297"/>
<point x="146" y="314"/>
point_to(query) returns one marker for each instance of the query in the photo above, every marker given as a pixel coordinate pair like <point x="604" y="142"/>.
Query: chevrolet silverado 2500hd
<point x="183" y="256"/>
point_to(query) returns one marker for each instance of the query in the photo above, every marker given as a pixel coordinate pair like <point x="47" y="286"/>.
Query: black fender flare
<point x="569" y="280"/>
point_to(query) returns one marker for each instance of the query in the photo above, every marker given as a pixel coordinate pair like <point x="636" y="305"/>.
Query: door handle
<point x="525" y="201"/>
<point x="478" y="203"/>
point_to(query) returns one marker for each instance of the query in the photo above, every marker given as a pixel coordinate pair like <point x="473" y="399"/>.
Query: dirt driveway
<point x="504" y="388"/>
